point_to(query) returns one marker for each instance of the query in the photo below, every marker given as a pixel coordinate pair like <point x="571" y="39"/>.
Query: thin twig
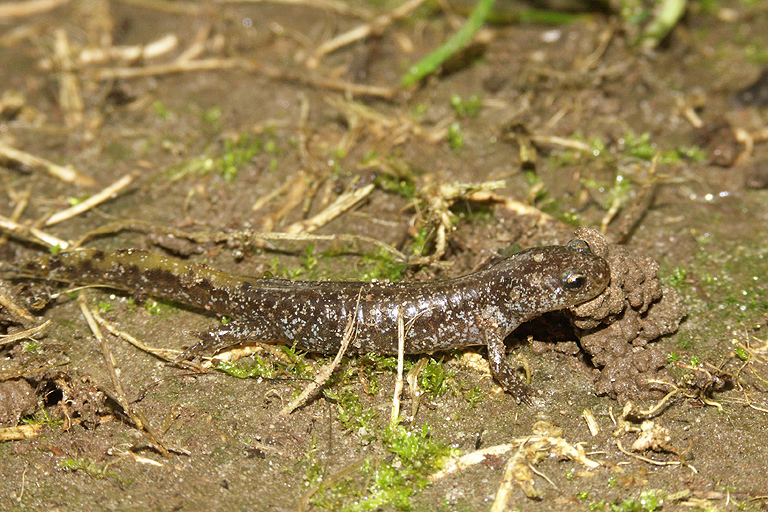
<point x="14" y="310"/>
<point x="20" y="432"/>
<point x="136" y="417"/>
<point x="108" y="358"/>
<point x="93" y="201"/>
<point x="344" y="8"/>
<point x="65" y="173"/>
<point x="211" y="64"/>
<point x="131" y="53"/>
<point x="296" y="194"/>
<point x="288" y="185"/>
<point x="32" y="234"/>
<point x="70" y="98"/>
<point x="473" y="458"/>
<point x="215" y="64"/>
<point x="400" y="362"/>
<point x="18" y="9"/>
<point x="167" y="355"/>
<point x="654" y="462"/>
<point x="362" y="31"/>
<point x="561" y="141"/>
<point x="219" y="237"/>
<point x="631" y="411"/>
<point x="5" y="339"/>
<point x="21" y="200"/>
<point x="350" y="331"/>
<point x="168" y="6"/>
<point x="343" y="203"/>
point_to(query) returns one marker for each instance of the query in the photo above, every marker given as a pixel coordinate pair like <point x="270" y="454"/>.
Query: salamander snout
<point x="584" y="274"/>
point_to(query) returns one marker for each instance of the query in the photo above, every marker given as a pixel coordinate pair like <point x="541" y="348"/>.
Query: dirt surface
<point x="239" y="127"/>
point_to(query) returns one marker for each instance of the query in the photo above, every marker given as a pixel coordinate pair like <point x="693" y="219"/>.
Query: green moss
<point x="159" y="307"/>
<point x="381" y="265"/>
<point x="647" y="501"/>
<point x="401" y="186"/>
<point x="676" y="278"/>
<point x="212" y="117"/>
<point x="161" y="110"/>
<point x="455" y="136"/>
<point x="91" y="469"/>
<point x="389" y="482"/>
<point x="419" y="241"/>
<point x="43" y="418"/>
<point x="32" y="347"/>
<point x="104" y="307"/>
<point x="74" y="201"/>
<point x="353" y="414"/>
<point x="434" y="379"/>
<point x="474" y="395"/>
<point x="307" y="268"/>
<point x="257" y="367"/>
<point x="235" y="154"/>
<point x="723" y="288"/>
<point x="466" y="108"/>
<point x="642" y="147"/>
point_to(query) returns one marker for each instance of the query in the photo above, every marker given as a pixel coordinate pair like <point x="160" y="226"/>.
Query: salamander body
<point x="481" y="308"/>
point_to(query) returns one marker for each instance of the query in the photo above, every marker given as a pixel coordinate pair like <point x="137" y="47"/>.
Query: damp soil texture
<point x="275" y="139"/>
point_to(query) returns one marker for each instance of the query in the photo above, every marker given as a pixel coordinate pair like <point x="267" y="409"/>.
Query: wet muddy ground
<point x="220" y="122"/>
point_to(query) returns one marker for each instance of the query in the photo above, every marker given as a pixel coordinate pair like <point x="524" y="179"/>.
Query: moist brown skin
<point x="481" y="308"/>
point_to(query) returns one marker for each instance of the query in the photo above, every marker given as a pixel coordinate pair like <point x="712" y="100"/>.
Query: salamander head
<point x="552" y="278"/>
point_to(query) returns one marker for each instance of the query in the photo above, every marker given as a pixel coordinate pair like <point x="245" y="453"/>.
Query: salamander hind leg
<point x="218" y="338"/>
<point x="504" y="373"/>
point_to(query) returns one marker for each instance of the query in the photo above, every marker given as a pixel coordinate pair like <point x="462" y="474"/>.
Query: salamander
<point x="481" y="308"/>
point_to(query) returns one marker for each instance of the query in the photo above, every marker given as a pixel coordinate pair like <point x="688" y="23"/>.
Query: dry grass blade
<point x="91" y="202"/>
<point x="344" y="202"/>
<point x="362" y="31"/>
<point x="166" y="355"/>
<point x="472" y="459"/>
<point x="108" y="358"/>
<point x="186" y="66"/>
<point x="136" y="417"/>
<point x="20" y="432"/>
<point x="6" y="339"/>
<point x="19" y="314"/>
<point x="206" y="237"/>
<point x="32" y="234"/>
<point x="652" y="461"/>
<point x="64" y="173"/>
<point x="70" y="98"/>
<point x="350" y="331"/>
<point x="589" y="417"/>
<point x="17" y="9"/>
<point x="339" y="7"/>
<point x="215" y="64"/>
<point x="289" y="184"/>
<point x="133" y="53"/>
<point x="400" y="362"/>
<point x="168" y="6"/>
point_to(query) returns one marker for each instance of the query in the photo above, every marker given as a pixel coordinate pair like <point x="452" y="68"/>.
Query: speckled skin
<point x="478" y="309"/>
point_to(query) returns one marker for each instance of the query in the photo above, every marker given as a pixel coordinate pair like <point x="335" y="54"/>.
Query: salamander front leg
<point x="503" y="372"/>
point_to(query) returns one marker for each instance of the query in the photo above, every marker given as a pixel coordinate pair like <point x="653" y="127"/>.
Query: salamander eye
<point x="578" y="245"/>
<point x="573" y="280"/>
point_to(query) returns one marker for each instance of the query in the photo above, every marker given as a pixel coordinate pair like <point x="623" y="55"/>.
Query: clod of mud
<point x="616" y="327"/>
<point x="17" y="399"/>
